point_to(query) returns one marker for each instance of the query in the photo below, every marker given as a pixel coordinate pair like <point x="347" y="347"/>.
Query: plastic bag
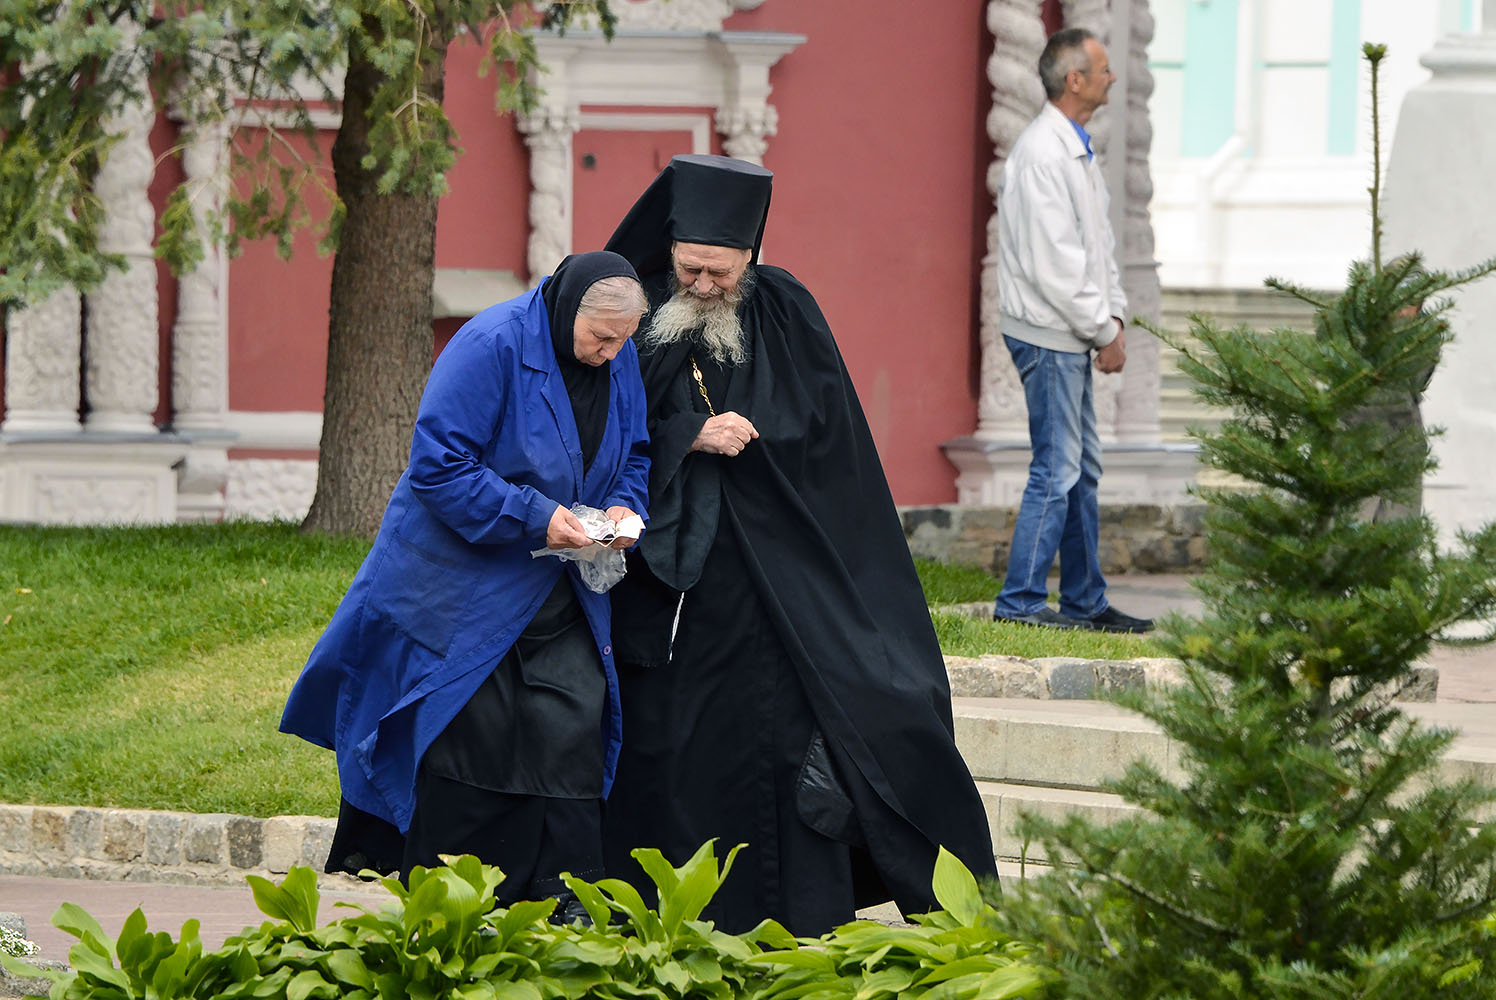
<point x="599" y="566"/>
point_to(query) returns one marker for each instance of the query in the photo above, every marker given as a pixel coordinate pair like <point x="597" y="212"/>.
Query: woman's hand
<point x="565" y="531"/>
<point x="616" y="514"/>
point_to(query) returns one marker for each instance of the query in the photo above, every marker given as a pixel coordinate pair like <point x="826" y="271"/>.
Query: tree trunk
<point x="379" y="324"/>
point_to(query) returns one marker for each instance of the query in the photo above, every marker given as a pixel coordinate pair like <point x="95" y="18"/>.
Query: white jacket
<point x="1057" y="274"/>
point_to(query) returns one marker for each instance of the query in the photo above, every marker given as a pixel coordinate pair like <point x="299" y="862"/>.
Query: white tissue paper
<point x="599" y="566"/>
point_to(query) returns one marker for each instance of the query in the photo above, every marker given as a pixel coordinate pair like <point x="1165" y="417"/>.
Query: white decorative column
<point x="43" y="352"/>
<point x="1096" y="16"/>
<point x="1438" y="199"/>
<point x="118" y="468"/>
<point x="992" y="462"/>
<point x="121" y="337"/>
<point x="43" y="361"/>
<point x="1017" y="96"/>
<point x="548" y="131"/>
<point x="199" y="344"/>
<point x="1138" y="402"/>
<point x="746" y="119"/>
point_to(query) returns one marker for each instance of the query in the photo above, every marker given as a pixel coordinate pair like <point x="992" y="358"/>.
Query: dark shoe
<point x="1045" y="617"/>
<point x="1112" y="620"/>
<point x="570" y="912"/>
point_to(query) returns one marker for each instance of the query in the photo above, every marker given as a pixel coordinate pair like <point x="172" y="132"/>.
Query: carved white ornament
<point x="269" y="489"/>
<point x="1017" y="97"/>
<point x="746" y="130"/>
<point x="43" y="348"/>
<point x="677" y="15"/>
<point x="548" y="132"/>
<point x="93" y="499"/>
<point x="121" y="340"/>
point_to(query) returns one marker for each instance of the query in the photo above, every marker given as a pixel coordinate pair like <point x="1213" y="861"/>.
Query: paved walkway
<point x="223" y="910"/>
<point x="1465" y="676"/>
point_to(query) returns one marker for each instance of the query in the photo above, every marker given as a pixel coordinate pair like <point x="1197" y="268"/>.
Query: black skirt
<point x="516" y="777"/>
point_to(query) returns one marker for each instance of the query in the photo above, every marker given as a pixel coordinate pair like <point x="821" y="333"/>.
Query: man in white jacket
<point x="1062" y="300"/>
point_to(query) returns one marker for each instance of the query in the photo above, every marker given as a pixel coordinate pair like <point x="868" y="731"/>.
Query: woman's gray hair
<point x="1064" y="53"/>
<point x="619" y="295"/>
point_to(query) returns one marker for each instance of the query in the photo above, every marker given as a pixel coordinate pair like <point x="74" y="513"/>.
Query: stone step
<point x="1006" y="802"/>
<point x="1079" y="745"/>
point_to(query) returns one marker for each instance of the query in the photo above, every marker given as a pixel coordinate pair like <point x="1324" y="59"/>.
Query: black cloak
<point x="803" y="518"/>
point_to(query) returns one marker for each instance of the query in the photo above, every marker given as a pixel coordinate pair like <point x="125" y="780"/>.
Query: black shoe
<point x="1112" y="620"/>
<point x="1045" y="617"/>
<point x="570" y="912"/>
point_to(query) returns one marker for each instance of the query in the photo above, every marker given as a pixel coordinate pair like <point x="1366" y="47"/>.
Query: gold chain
<point x="701" y="385"/>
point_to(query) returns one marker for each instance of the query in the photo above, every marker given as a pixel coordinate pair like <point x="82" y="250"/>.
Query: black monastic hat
<point x="715" y="200"/>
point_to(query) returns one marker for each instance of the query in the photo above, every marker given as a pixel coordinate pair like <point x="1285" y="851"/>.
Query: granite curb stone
<point x="1075" y="678"/>
<point x="145" y="845"/>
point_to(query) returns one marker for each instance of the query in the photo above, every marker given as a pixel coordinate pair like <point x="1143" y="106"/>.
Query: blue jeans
<point x="1059" y="513"/>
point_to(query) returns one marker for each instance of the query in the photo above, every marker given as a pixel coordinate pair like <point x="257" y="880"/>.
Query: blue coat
<point x="450" y="583"/>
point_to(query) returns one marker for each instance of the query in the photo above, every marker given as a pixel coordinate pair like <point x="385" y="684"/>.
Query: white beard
<point x="713" y="323"/>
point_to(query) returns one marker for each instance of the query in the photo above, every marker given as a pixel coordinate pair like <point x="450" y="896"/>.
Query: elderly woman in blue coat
<point x="467" y="687"/>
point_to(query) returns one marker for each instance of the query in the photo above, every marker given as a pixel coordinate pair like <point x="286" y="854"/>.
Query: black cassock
<point x="803" y="706"/>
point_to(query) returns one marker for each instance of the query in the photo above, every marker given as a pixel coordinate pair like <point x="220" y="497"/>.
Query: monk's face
<point x="709" y="272"/>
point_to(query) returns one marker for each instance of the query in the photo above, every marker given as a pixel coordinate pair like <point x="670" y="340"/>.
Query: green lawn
<point x="964" y="636"/>
<point x="147" y="667"/>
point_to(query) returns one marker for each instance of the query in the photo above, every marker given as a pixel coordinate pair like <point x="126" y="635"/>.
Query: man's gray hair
<point x="619" y="295"/>
<point x="1064" y="53"/>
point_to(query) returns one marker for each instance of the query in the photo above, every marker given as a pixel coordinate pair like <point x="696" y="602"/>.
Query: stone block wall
<point x="147" y="845"/>
<point x="1135" y="538"/>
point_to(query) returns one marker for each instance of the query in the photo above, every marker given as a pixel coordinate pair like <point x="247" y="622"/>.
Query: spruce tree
<point x="1309" y="847"/>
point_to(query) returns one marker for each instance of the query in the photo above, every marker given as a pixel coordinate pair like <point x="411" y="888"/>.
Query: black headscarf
<point x="586" y="386"/>
<point x="715" y="200"/>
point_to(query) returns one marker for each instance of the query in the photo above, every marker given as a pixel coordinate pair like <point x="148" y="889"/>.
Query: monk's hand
<point x="725" y="434"/>
<point x="565" y="531"/>
<point x="616" y="514"/>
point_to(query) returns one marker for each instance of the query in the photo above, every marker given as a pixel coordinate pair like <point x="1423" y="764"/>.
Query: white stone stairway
<point x="1051" y="758"/>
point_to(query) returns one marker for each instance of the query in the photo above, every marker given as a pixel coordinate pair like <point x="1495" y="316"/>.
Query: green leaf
<point x="703" y="967"/>
<point x="772" y="934"/>
<point x="347" y="966"/>
<point x="673" y="975"/>
<point x="659" y="870"/>
<point x="309" y="983"/>
<point x="890" y="981"/>
<point x="625" y="896"/>
<point x="593" y="950"/>
<point x="956" y="889"/>
<point x="525" y="913"/>
<point x="80" y="923"/>
<point x="88" y="963"/>
<point x="592" y="900"/>
<point x="816" y="961"/>
<point x="516" y="991"/>
<point x="24" y="970"/>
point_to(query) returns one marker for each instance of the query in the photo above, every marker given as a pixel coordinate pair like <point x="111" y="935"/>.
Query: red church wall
<point x="879" y="207"/>
<point x="278" y="314"/>
<point x="875" y="193"/>
<point x="484" y="222"/>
